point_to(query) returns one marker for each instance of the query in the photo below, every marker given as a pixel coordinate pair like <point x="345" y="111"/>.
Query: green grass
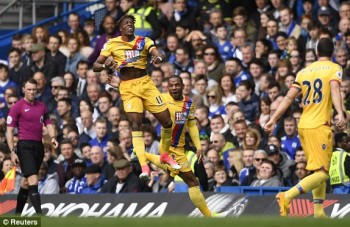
<point x="181" y="221"/>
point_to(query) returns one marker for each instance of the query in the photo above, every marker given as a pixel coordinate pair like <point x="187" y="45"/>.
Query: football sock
<point x="165" y="141"/>
<point x="21" y="200"/>
<point x="319" y="195"/>
<point x="139" y="146"/>
<point x="307" y="184"/>
<point x="198" y="200"/>
<point x="35" y="198"/>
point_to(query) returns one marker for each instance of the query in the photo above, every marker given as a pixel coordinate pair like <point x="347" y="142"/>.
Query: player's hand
<point x="156" y="59"/>
<point x="114" y="81"/>
<point x="54" y="143"/>
<point x="269" y="126"/>
<point x="110" y="63"/>
<point x="341" y="122"/>
<point x="199" y="154"/>
<point x="14" y="158"/>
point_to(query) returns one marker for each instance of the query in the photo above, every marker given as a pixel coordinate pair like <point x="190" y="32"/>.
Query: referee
<point x="29" y="115"/>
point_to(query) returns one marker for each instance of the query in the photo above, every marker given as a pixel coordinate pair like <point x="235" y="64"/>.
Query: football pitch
<point x="181" y="221"/>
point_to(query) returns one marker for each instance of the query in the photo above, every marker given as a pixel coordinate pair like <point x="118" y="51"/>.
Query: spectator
<point x="300" y="172"/>
<point x="291" y="141"/>
<point x="124" y="180"/>
<point x="19" y="72"/>
<point x="110" y="31"/>
<point x="41" y="63"/>
<point x="289" y="26"/>
<point x="94" y="180"/>
<point x="228" y="90"/>
<point x="252" y="139"/>
<point x="98" y="158"/>
<point x="74" y="56"/>
<point x="247" y="158"/>
<point x="76" y="184"/>
<point x="181" y="15"/>
<point x="55" y="55"/>
<point x="268" y="176"/>
<point x="101" y="138"/>
<point x="150" y="138"/>
<point x="183" y="61"/>
<point x="221" y="178"/>
<point x="48" y="183"/>
<point x="223" y="147"/>
<point x="214" y="62"/>
<point x="74" y="23"/>
<point x="234" y="68"/>
<point x="280" y="159"/>
<point x="64" y="169"/>
<point x="5" y="83"/>
<point x="27" y="44"/>
<point x="85" y="48"/>
<point x="249" y="101"/>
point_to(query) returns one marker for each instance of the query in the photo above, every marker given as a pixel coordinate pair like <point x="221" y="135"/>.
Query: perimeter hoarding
<point x="166" y="204"/>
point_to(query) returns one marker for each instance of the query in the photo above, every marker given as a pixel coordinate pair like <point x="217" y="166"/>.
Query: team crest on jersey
<point x="180" y="117"/>
<point x="324" y="146"/>
<point x="339" y="74"/>
<point x="9" y="120"/>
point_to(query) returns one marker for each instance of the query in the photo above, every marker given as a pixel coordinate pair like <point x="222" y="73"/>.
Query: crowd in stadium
<point x="237" y="60"/>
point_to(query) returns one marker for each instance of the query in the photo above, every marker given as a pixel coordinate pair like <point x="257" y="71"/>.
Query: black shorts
<point x="30" y="154"/>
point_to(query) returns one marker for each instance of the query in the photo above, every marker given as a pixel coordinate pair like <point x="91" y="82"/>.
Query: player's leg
<point x="33" y="193"/>
<point x="133" y="106"/>
<point x="138" y="142"/>
<point x="22" y="196"/>
<point x="195" y="193"/>
<point x="165" y="141"/>
<point x="33" y="181"/>
<point x="319" y="195"/>
<point x="153" y="102"/>
<point x="318" y="150"/>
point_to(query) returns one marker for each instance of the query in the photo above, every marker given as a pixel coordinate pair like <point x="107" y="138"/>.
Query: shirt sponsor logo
<point x="180" y="117"/>
<point x="26" y="110"/>
<point x="132" y="55"/>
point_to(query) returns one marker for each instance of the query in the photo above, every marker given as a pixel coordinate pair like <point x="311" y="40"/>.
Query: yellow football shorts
<point x="179" y="155"/>
<point x="139" y="94"/>
<point x="318" y="146"/>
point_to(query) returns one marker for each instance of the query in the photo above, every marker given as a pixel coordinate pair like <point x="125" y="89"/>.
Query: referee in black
<point x="29" y="116"/>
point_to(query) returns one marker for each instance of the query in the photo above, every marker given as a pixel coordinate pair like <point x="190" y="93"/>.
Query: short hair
<point x="5" y="67"/>
<point x="13" y="49"/>
<point x="203" y="107"/>
<point x="237" y="60"/>
<point x="56" y="37"/>
<point x="68" y="101"/>
<point x="101" y="120"/>
<point x="106" y="95"/>
<point x="274" y="84"/>
<point x="325" y="47"/>
<point x="240" y="11"/>
<point x="201" y="77"/>
<point x="126" y="16"/>
<point x="84" y="145"/>
<point x="290" y="119"/>
<point x="89" y="22"/>
<point x="31" y="81"/>
<point x="60" y="80"/>
<point x="66" y="141"/>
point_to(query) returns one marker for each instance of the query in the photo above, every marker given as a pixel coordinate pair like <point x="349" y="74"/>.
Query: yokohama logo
<point x="304" y="208"/>
<point x="7" y="206"/>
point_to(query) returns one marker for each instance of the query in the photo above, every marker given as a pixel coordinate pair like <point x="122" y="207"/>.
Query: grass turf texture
<point x="181" y="221"/>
